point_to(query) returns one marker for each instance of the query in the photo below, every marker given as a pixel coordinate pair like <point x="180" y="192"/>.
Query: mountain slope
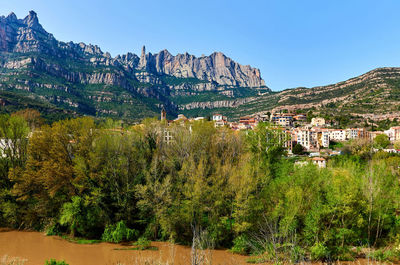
<point x="83" y="79"/>
<point x="376" y="93"/>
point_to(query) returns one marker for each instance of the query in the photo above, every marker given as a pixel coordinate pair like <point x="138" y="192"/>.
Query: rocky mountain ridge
<point x="67" y="74"/>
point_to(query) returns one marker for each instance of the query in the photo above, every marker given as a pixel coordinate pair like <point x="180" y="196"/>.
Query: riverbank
<point x="36" y="247"/>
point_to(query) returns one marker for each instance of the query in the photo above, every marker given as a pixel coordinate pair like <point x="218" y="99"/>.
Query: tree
<point x="381" y="141"/>
<point x="298" y="149"/>
<point x="32" y="117"/>
<point x="397" y="145"/>
<point x="81" y="217"/>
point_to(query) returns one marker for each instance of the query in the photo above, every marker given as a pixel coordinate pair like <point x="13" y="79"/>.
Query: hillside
<point x="81" y="78"/>
<point x="375" y="95"/>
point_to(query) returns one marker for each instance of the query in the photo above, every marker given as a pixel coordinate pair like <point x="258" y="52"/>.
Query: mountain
<point x="61" y="79"/>
<point x="84" y="80"/>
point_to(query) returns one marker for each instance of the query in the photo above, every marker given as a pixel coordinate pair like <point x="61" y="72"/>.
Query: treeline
<point x="90" y="179"/>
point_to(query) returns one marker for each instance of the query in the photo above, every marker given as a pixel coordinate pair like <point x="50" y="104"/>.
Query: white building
<point x="393" y="133"/>
<point x="319" y="161"/>
<point x="337" y="135"/>
<point x="285" y="120"/>
<point x="220" y="120"/>
<point x="356" y="133"/>
<point x="318" y="122"/>
<point x="323" y="138"/>
<point x="306" y="138"/>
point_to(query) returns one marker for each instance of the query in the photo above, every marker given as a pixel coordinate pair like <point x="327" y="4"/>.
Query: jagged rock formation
<point x="83" y="78"/>
<point x="214" y="68"/>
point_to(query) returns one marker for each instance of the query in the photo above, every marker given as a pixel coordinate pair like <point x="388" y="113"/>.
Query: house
<point x="317" y="122"/>
<point x="300" y="118"/>
<point x="181" y="117"/>
<point x="372" y="135"/>
<point x="248" y="122"/>
<point x="393" y="133"/>
<point x="319" y="161"/>
<point x="282" y="119"/>
<point x="217" y="117"/>
<point x="220" y="120"/>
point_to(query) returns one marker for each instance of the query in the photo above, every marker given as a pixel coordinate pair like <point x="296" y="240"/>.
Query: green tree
<point x="298" y="149"/>
<point x="81" y="217"/>
<point x="381" y="141"/>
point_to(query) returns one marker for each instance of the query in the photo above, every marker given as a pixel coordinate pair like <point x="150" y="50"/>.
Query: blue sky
<point x="294" y="43"/>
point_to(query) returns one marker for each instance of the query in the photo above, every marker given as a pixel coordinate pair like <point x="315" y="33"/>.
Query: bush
<point x="53" y="229"/>
<point x="119" y="233"/>
<point x="142" y="243"/>
<point x="319" y="252"/>
<point x="344" y="254"/>
<point x="55" y="262"/>
<point x="298" y="149"/>
<point x="385" y="255"/>
<point x="240" y="245"/>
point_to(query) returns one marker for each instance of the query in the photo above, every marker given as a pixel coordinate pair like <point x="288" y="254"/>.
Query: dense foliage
<point x="96" y="180"/>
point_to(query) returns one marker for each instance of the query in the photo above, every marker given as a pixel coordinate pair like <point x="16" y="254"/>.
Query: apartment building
<point x="356" y="133"/>
<point x="282" y="119"/>
<point x="337" y="135"/>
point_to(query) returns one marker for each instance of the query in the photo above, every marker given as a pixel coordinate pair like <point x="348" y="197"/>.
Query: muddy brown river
<point x="35" y="247"/>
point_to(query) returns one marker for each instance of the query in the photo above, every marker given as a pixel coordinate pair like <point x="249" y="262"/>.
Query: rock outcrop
<point x="214" y="68"/>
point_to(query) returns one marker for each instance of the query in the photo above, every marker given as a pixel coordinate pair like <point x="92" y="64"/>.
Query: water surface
<point x="36" y="248"/>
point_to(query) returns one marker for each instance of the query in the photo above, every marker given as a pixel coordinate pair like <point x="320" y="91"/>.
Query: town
<point x="298" y="135"/>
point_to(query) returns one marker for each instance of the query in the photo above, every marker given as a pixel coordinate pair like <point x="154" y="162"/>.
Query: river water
<point x="35" y="247"/>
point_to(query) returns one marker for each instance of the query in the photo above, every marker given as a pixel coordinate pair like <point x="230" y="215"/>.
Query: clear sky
<point x="293" y="42"/>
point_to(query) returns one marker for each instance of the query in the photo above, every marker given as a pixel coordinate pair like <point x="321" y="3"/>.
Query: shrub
<point x="55" y="262"/>
<point x="240" y="245"/>
<point x="142" y="243"/>
<point x="344" y="254"/>
<point x="319" y="252"/>
<point x="118" y="233"/>
<point x="53" y="229"/>
<point x="385" y="255"/>
<point x="298" y="149"/>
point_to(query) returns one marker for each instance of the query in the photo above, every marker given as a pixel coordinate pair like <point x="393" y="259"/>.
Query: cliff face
<point x="214" y="68"/>
<point x="71" y="75"/>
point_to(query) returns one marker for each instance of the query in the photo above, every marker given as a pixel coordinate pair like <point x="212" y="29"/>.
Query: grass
<point x="138" y="248"/>
<point x="82" y="241"/>
<point x="141" y="244"/>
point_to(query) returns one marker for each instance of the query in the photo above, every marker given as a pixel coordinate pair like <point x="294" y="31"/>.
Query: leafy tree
<point x="298" y="149"/>
<point x="118" y="233"/>
<point x="381" y="141"/>
<point x="81" y="217"/>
